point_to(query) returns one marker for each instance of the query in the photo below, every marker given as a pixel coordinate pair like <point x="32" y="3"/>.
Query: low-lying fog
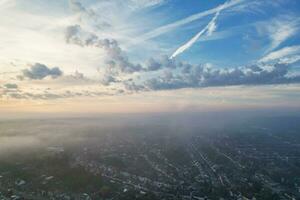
<point x="24" y="136"/>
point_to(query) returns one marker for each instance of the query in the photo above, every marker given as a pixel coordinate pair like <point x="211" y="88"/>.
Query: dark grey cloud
<point x="153" y="65"/>
<point x="39" y="71"/>
<point x="164" y="62"/>
<point x="108" y="79"/>
<point x="133" y="87"/>
<point x="75" y="35"/>
<point x="199" y="76"/>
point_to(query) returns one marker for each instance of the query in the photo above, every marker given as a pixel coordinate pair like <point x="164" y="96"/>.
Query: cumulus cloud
<point x="133" y="87"/>
<point x="39" y="71"/>
<point x="163" y="62"/>
<point x="117" y="61"/>
<point x="196" y="76"/>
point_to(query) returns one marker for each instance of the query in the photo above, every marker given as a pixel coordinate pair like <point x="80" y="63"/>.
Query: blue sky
<point x="72" y="49"/>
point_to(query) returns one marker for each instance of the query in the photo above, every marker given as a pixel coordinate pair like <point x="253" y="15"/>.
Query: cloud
<point x="279" y="30"/>
<point x="118" y="69"/>
<point x="8" y="89"/>
<point x="258" y="6"/>
<point x="48" y="94"/>
<point x="209" y="29"/>
<point x="163" y="62"/>
<point x="117" y="62"/>
<point x="212" y="26"/>
<point x="107" y="79"/>
<point x="145" y="3"/>
<point x="281" y="53"/>
<point x="39" y="71"/>
<point x="77" y="6"/>
<point x="74" y="79"/>
<point x="75" y="35"/>
<point x="169" y="27"/>
<point x="197" y="76"/>
<point x="153" y="65"/>
<point x="178" y="75"/>
<point x="133" y="87"/>
<point x="11" y="86"/>
<point x="88" y="16"/>
<point x="99" y="17"/>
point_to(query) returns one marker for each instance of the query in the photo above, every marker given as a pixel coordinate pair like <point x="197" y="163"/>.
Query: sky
<point x="100" y="56"/>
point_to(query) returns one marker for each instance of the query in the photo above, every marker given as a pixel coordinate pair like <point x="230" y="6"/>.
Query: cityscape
<point x="250" y="160"/>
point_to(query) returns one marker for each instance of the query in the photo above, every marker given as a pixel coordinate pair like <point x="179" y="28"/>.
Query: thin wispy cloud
<point x="281" y="53"/>
<point x="169" y="27"/>
<point x="279" y="30"/>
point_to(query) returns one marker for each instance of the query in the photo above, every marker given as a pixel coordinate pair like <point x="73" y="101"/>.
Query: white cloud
<point x="281" y="53"/>
<point x="146" y="3"/>
<point x="209" y="29"/>
<point x="279" y="30"/>
<point x="4" y="4"/>
<point x="169" y="27"/>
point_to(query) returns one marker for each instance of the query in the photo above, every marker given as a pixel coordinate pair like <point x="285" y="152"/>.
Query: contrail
<point x="208" y="29"/>
<point x="169" y="27"/>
